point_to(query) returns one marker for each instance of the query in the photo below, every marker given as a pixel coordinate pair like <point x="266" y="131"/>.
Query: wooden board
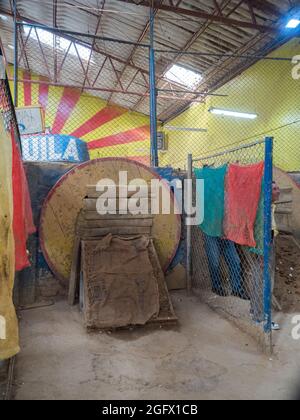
<point x="75" y="271"/>
<point x="65" y="201"/>
<point x="291" y="191"/>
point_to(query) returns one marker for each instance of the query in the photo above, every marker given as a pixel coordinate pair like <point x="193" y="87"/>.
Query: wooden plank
<point x="75" y="270"/>
<point x="290" y="191"/>
<point x="92" y="233"/>
<point x="284" y="211"/>
<point x="115" y="223"/>
<point x="163" y="289"/>
<point x="93" y="215"/>
<point x="92" y="193"/>
<point x="286" y="190"/>
<point x="90" y="204"/>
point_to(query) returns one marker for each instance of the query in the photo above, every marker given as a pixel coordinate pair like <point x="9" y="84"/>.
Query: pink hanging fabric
<point x="243" y="188"/>
<point x="23" y="225"/>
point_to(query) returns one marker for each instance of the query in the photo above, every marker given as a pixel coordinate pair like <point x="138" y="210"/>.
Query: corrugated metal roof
<point x="126" y="66"/>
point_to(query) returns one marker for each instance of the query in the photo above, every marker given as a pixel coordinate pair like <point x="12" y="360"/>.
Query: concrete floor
<point x="206" y="357"/>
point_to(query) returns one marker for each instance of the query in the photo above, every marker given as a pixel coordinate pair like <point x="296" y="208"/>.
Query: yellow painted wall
<point x="109" y="130"/>
<point x="267" y="89"/>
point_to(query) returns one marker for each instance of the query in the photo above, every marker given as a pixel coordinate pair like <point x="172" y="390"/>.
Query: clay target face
<point x="65" y="200"/>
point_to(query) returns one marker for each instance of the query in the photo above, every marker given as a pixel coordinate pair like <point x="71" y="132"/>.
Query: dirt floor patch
<point x="204" y="357"/>
<point x="287" y="283"/>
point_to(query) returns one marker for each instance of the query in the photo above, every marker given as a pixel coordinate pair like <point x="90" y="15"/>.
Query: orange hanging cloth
<point x="23" y="225"/>
<point x="242" y="195"/>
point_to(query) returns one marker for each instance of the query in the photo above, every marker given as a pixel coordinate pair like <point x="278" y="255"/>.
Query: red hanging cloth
<point x="243" y="189"/>
<point x="23" y="225"/>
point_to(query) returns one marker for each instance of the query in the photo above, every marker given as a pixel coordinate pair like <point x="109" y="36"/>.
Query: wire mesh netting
<point x="240" y="100"/>
<point x="7" y="108"/>
<point x="227" y="275"/>
<point x="93" y="94"/>
<point x="87" y="89"/>
<point x="257" y="98"/>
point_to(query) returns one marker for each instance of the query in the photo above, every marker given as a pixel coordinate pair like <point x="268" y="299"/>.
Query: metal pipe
<point x="98" y="89"/>
<point x="268" y="178"/>
<point x="74" y="33"/>
<point x="153" y="95"/>
<point x="15" y="55"/>
<point x="189" y="198"/>
<point x="5" y="61"/>
<point x="246" y="146"/>
<point x="260" y="57"/>
<point x="192" y="92"/>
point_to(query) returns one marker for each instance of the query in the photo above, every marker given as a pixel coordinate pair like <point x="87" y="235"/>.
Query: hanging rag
<point x="9" y="336"/>
<point x="23" y="220"/>
<point x="243" y="190"/>
<point x="214" y="181"/>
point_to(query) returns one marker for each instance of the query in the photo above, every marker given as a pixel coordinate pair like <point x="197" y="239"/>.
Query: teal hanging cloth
<point x="214" y="192"/>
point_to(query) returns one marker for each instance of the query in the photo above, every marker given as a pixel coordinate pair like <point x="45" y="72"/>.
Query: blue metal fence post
<point x="268" y="179"/>
<point x="153" y="95"/>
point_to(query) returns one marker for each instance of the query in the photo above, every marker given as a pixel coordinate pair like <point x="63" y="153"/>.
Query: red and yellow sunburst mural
<point x="108" y="130"/>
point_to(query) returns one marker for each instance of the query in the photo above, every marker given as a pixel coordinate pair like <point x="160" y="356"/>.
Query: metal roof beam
<point x="93" y="45"/>
<point x="54" y="12"/>
<point x="79" y="42"/>
<point x="266" y="7"/>
<point x="193" y="39"/>
<point x="85" y="44"/>
<point x="203" y="15"/>
<point x="141" y="37"/>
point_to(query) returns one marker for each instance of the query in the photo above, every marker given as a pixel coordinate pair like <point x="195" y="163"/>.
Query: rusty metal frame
<point x="140" y="39"/>
<point x="43" y="54"/>
<point x="82" y="66"/>
<point x="93" y="46"/>
<point x="216" y="16"/>
<point x="99" y="72"/>
<point x="144" y="72"/>
<point x="96" y="89"/>
<point x="190" y="42"/>
<point x="222" y="20"/>
<point x="24" y="45"/>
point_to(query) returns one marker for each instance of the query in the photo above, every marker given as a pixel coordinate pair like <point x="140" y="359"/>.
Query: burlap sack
<point x="9" y="336"/>
<point x="120" y="287"/>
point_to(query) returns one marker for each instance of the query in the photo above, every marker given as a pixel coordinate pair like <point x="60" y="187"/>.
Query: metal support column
<point x="268" y="179"/>
<point x="153" y="95"/>
<point x="15" y="55"/>
<point x="189" y="205"/>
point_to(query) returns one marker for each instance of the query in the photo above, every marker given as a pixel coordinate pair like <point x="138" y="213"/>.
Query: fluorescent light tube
<point x="197" y="130"/>
<point x="227" y="113"/>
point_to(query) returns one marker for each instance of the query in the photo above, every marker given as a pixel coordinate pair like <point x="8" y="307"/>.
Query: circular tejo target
<point x="65" y="200"/>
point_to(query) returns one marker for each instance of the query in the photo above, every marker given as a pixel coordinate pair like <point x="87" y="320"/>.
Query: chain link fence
<point x="231" y="278"/>
<point x="92" y="95"/>
<point x="6" y="107"/>
<point x="242" y="99"/>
